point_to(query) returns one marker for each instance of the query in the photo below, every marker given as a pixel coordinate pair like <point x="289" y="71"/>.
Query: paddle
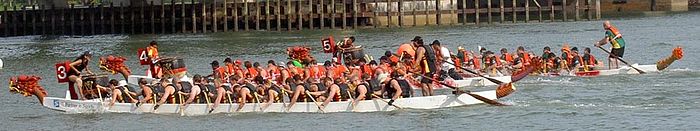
<point x="459" y="91"/>
<point x="380" y="98"/>
<point x="623" y="61"/>
<point x="498" y="82"/>
<point x="182" y="110"/>
<point x="314" y="100"/>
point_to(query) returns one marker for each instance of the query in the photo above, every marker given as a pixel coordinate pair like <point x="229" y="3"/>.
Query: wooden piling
<point x="111" y="18"/>
<point x="33" y="20"/>
<point x="514" y="11"/>
<point x="551" y="10"/>
<point x="332" y="14"/>
<point x="162" y="15"/>
<point x="289" y="15"/>
<point x="71" y="18"/>
<point x="476" y="14"/>
<point x="183" y="18"/>
<point x="527" y="11"/>
<point x="464" y="12"/>
<point x="388" y="13"/>
<point x="300" y="14"/>
<point x="143" y="21"/>
<point x="235" y="16"/>
<point x="225" y="15"/>
<point x="172" y="16"/>
<point x="322" y="14"/>
<point x="246" y="15"/>
<point x="502" y="10"/>
<point x="204" y="16"/>
<point x="414" y="4"/>
<point x="345" y="14"/>
<point x="311" y="14"/>
<point x="354" y="13"/>
<point x="576" y="13"/>
<point x="153" y="18"/>
<point x="23" y="24"/>
<point x="564" y="11"/>
<point x="194" y="16"/>
<point x="589" y="10"/>
<point x="597" y="9"/>
<point x="122" y="19"/>
<point x="257" y="15"/>
<point x="278" y="13"/>
<point x="214" y="17"/>
<point x="427" y="13"/>
<point x="539" y="12"/>
<point x="267" y="15"/>
<point x="438" y="12"/>
<point x="453" y="13"/>
<point x="5" y="22"/>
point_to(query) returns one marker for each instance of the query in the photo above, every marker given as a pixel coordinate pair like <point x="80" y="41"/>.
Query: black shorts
<point x="620" y="52"/>
<point x="427" y="80"/>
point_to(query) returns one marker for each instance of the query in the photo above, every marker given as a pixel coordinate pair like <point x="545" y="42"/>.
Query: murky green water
<point x="655" y="101"/>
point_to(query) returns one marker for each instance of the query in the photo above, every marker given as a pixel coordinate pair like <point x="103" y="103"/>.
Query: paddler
<point x="146" y="92"/>
<point x="397" y="87"/>
<point x="74" y="74"/>
<point x="219" y="75"/>
<point x="522" y="58"/>
<point x="332" y="93"/>
<point x="446" y="56"/>
<point x="192" y="92"/>
<point x="425" y="63"/>
<point x="589" y="60"/>
<point x="152" y="54"/>
<point x="506" y="57"/>
<point x="169" y="91"/>
<point x="614" y="37"/>
<point x="117" y="92"/>
<point x="362" y="90"/>
<point x="576" y="60"/>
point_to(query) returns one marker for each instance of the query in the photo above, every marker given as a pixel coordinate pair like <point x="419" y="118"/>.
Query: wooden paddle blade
<point x="486" y="100"/>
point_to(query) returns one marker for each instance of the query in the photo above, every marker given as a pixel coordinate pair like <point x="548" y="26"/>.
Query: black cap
<point x="435" y="42"/>
<point x="228" y="60"/>
<point x="373" y="62"/>
<point x="327" y="63"/>
<point x="387" y="53"/>
<point x="216" y="63"/>
<point x="574" y="49"/>
<point x="417" y="38"/>
<point x="546" y="48"/>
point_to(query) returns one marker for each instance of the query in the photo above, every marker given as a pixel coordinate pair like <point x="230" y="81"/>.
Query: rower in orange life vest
<point x="152" y="54"/>
<point x="576" y="62"/>
<point x="589" y="60"/>
<point x="492" y="64"/>
<point x="219" y="74"/>
<point x="614" y="37"/>
<point x="507" y="57"/>
<point x="74" y="74"/>
<point x="522" y="58"/>
<point x="425" y="63"/>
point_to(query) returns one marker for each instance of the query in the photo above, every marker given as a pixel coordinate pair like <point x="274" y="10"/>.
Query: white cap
<point x="1" y="64"/>
<point x="122" y="83"/>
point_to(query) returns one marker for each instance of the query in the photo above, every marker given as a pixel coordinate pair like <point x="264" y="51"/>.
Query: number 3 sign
<point x="62" y="70"/>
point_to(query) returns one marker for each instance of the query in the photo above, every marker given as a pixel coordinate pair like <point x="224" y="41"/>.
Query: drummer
<point x="74" y="74"/>
<point x="152" y="54"/>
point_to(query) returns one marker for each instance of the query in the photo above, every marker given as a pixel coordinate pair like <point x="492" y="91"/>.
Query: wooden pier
<point x="204" y="16"/>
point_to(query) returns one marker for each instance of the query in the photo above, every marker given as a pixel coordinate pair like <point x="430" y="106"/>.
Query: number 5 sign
<point x="62" y="70"/>
<point x="143" y="56"/>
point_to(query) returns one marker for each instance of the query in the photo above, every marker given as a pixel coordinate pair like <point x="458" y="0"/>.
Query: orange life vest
<point x="508" y="57"/>
<point x="253" y="73"/>
<point x="221" y="72"/>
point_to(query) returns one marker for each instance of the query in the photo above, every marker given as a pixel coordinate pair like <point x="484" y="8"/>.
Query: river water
<point x="654" y="101"/>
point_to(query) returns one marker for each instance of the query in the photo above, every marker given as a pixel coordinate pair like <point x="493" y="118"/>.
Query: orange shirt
<point x="253" y="73"/>
<point x="408" y="48"/>
<point x="339" y="70"/>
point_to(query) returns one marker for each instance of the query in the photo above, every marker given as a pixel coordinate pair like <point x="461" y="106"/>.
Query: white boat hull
<point x="376" y="105"/>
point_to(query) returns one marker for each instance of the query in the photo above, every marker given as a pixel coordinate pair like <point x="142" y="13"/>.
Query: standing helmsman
<point x="614" y="37"/>
<point x="425" y="63"/>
